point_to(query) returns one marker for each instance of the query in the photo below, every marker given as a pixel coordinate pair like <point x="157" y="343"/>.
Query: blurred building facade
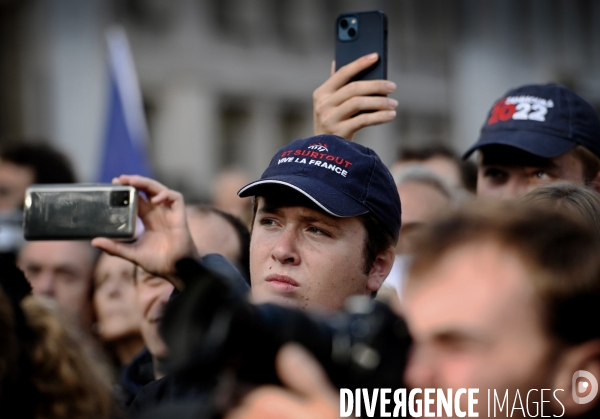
<point x="227" y="82"/>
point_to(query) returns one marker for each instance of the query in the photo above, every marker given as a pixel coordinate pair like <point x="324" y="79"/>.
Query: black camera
<point x="213" y="332"/>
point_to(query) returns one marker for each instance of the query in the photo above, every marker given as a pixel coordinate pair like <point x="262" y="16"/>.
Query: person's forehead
<point x="479" y="286"/>
<point x="113" y="264"/>
<point x="303" y="207"/>
<point x="503" y="155"/>
<point x="51" y="253"/>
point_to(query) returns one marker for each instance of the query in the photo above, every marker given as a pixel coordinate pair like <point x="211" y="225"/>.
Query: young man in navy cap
<point x="327" y="217"/>
<point x="533" y="135"/>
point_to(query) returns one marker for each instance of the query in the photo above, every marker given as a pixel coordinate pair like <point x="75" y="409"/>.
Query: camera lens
<point x="119" y="198"/>
<point x="351" y="32"/>
<point x="343" y="23"/>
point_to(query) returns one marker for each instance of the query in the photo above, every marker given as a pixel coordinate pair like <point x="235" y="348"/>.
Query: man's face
<point x="61" y="270"/>
<point x="302" y="257"/>
<point x="153" y="294"/>
<point x="507" y="172"/>
<point x="476" y="323"/>
<point x="115" y="299"/>
<point x="421" y="203"/>
<point x="14" y="180"/>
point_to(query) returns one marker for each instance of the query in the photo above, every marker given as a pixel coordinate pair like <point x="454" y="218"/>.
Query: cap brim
<point x="329" y="199"/>
<point x="540" y="144"/>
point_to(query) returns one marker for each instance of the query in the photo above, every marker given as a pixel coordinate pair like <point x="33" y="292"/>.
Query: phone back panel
<point x="371" y="37"/>
<point x="74" y="212"/>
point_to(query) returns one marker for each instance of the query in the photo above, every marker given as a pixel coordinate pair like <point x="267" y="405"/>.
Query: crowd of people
<point x="494" y="267"/>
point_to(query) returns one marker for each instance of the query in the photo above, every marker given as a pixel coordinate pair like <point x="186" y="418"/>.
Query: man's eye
<point x="67" y="277"/>
<point x="318" y="231"/>
<point x="494" y="173"/>
<point x="540" y="174"/>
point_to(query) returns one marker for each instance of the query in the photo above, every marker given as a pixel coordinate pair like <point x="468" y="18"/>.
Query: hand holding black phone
<point x="342" y="107"/>
<point x="358" y="34"/>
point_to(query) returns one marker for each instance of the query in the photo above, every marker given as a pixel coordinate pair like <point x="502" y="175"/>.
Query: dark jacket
<point x="138" y="373"/>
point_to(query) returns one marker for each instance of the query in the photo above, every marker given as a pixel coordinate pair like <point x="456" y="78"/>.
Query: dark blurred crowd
<point x="494" y="266"/>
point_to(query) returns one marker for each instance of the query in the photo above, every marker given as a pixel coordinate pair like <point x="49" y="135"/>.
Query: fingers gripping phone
<point x="79" y="211"/>
<point x="358" y="34"/>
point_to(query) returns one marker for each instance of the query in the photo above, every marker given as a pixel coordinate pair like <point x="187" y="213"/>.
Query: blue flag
<point x="126" y="135"/>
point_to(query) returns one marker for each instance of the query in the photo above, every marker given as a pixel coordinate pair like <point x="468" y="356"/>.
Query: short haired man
<point x="504" y="298"/>
<point x="326" y="223"/>
<point x="534" y="135"/>
<point x="63" y="271"/>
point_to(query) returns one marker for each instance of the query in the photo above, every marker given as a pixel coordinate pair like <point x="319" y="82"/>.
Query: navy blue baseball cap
<point x="343" y="178"/>
<point x="542" y="119"/>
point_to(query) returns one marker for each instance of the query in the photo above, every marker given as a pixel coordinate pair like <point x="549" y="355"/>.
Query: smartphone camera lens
<point x="119" y="198"/>
<point x="347" y="28"/>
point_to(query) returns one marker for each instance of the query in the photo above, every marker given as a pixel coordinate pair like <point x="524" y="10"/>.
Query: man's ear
<point x="584" y="356"/>
<point x="595" y="183"/>
<point x="381" y="269"/>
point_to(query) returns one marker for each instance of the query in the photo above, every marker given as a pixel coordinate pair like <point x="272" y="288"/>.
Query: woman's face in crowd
<point x="115" y="300"/>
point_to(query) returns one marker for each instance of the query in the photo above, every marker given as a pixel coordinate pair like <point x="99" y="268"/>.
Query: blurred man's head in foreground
<point x="327" y="216"/>
<point x="535" y="135"/>
<point x="506" y="298"/>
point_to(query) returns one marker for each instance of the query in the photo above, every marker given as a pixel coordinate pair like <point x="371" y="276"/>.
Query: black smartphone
<point x="358" y="34"/>
<point x="79" y="211"/>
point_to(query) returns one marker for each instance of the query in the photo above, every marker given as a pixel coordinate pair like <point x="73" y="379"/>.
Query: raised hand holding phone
<point x="359" y="83"/>
<point x="166" y="237"/>
<point x="337" y="103"/>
